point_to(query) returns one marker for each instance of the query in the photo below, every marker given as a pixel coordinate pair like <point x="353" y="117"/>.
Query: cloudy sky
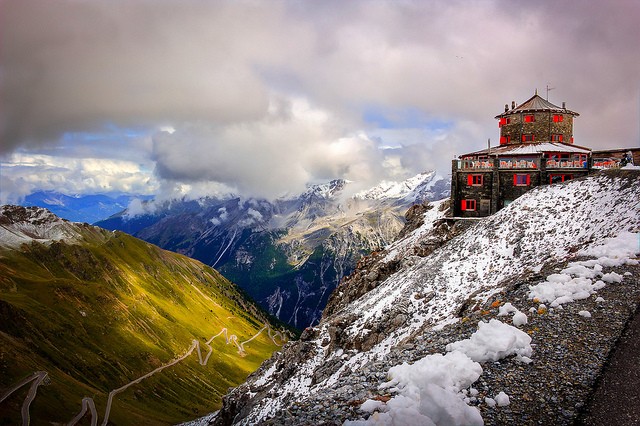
<point x="197" y="97"/>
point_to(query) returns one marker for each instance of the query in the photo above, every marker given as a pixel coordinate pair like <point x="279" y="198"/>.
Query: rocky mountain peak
<point x="19" y="225"/>
<point x="10" y="214"/>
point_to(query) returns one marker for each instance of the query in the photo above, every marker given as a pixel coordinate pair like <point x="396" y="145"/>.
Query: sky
<point x="260" y="98"/>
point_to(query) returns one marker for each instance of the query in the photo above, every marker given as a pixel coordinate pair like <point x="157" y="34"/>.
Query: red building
<point x="536" y="148"/>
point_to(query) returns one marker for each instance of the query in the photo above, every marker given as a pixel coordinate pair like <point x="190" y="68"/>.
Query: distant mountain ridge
<point x="80" y="208"/>
<point x="291" y="253"/>
<point x="88" y="312"/>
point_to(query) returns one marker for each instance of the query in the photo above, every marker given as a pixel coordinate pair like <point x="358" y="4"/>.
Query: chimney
<point x="564" y="105"/>
<point x="513" y="104"/>
<point x="506" y="107"/>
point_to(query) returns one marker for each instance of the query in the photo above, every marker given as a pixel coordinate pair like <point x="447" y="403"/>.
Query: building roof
<point x="530" y="149"/>
<point x="535" y="104"/>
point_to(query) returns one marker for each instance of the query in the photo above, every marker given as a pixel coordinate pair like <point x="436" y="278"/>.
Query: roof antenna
<point x="548" y="90"/>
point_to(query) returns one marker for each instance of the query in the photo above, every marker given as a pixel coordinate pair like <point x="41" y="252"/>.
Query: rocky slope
<point x="96" y="316"/>
<point x="289" y="254"/>
<point x="556" y="272"/>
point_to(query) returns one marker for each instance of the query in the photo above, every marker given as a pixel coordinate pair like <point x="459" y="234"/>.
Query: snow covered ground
<point x="433" y="390"/>
<point x="597" y="217"/>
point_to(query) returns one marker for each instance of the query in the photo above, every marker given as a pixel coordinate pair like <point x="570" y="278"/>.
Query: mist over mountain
<point x="288" y="254"/>
<point x="103" y="327"/>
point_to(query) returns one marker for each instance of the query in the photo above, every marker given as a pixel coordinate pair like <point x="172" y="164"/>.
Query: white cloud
<point x="264" y="97"/>
<point x="25" y="173"/>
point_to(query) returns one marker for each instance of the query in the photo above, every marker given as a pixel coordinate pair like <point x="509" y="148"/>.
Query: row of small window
<point x="518" y="179"/>
<point x="557" y="118"/>
<point x="530" y="137"/>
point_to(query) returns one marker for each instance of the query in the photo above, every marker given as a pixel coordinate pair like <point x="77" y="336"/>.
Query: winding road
<point x="41" y="377"/>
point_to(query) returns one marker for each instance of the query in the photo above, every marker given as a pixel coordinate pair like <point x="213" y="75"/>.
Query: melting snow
<point x="432" y="390"/>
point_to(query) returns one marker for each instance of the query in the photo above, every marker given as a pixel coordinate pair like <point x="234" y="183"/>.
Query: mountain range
<point x="80" y="208"/>
<point x="288" y="254"/>
<point x="97" y="325"/>
<point x="508" y="319"/>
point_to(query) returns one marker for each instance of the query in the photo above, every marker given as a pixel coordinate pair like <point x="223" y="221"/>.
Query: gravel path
<point x="616" y="400"/>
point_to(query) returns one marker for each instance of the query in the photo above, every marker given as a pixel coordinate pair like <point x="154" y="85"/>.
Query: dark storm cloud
<point x="74" y="65"/>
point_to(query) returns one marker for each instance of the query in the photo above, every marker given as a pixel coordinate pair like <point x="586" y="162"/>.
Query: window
<point x="521" y="180"/>
<point x="556" y="138"/>
<point x="503" y="121"/>
<point x="559" y="178"/>
<point x="468" y="205"/>
<point x="558" y="118"/>
<point x="529" y="118"/>
<point x="527" y="137"/>
<point x="474" y="180"/>
<point x="505" y="140"/>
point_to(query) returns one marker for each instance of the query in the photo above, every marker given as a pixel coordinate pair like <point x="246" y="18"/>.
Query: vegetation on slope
<point x="100" y="314"/>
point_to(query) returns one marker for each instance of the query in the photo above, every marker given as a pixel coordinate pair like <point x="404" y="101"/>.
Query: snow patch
<point x="494" y="340"/>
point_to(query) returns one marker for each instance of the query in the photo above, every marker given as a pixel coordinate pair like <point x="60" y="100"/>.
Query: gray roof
<point x="536" y="103"/>
<point x="534" y="148"/>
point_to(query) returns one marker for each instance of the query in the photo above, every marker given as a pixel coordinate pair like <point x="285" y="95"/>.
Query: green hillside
<point x="98" y="314"/>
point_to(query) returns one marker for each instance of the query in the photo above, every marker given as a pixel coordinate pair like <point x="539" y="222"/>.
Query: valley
<point x="291" y="253"/>
<point x="103" y="315"/>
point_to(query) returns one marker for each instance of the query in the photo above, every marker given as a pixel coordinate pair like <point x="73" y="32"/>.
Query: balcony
<point x="566" y="164"/>
<point x="608" y="163"/>
<point x="475" y="164"/>
<point x="512" y="163"/>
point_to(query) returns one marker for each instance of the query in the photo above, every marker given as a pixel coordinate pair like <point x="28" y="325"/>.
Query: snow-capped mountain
<point x="288" y="254"/>
<point x="426" y="186"/>
<point x="476" y="308"/>
<point x="22" y="226"/>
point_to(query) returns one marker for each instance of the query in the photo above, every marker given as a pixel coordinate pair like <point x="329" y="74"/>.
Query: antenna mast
<point x="548" y="90"/>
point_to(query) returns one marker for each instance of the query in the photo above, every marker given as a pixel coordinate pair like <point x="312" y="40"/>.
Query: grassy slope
<point x="99" y="315"/>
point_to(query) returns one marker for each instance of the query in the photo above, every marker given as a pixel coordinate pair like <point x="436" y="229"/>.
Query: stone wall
<point x="463" y="191"/>
<point x="498" y="188"/>
<point x="542" y="128"/>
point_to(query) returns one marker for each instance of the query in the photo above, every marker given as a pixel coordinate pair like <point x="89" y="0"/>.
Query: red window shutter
<point x="469" y="180"/>
<point x="524" y="138"/>
<point x="463" y="205"/>
<point x="515" y="180"/>
<point x="560" y="138"/>
<point x="528" y="179"/>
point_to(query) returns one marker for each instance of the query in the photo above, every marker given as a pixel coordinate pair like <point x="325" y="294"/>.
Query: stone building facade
<point x="536" y="148"/>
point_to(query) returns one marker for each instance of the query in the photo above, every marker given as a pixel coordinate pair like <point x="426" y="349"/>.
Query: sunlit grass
<point x="98" y="316"/>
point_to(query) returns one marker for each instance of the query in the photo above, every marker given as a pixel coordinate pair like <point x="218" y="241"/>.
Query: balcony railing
<point x="605" y="164"/>
<point x="509" y="163"/>
<point x="530" y="163"/>
<point x="566" y="164"/>
<point x="475" y="164"/>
